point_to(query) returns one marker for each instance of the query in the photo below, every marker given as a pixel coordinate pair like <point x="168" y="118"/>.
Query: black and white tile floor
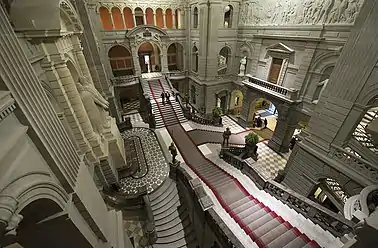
<point x="158" y="168"/>
<point x="134" y="230"/>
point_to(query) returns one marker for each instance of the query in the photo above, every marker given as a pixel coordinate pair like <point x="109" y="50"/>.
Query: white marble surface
<point x="204" y="149"/>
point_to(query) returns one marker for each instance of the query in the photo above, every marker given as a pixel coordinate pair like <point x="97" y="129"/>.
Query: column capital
<point x="8" y="206"/>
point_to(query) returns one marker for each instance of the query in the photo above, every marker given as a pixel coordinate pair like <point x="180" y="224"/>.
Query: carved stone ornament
<point x="286" y="12"/>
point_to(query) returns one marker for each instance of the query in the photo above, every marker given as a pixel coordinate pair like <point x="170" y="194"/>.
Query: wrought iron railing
<point x="360" y="133"/>
<point x="291" y="94"/>
<point x="358" y="165"/>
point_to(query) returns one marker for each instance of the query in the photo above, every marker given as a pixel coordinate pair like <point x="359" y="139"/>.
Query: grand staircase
<point x="264" y="226"/>
<point x="173" y="226"/>
<point x="155" y="87"/>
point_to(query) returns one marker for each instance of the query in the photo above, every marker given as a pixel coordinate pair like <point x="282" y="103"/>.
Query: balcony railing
<point x="328" y="220"/>
<point x="124" y="80"/>
<point x="358" y="165"/>
<point x="177" y="74"/>
<point x="291" y="94"/>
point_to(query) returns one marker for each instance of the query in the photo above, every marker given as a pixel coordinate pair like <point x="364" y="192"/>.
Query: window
<point x="193" y="94"/>
<point x="318" y="91"/>
<point x="195" y="18"/>
<point x="195" y="59"/>
<point x="139" y="19"/>
<point x="228" y="16"/>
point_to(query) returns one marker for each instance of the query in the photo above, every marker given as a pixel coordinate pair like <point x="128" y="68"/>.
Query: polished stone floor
<point x="158" y="168"/>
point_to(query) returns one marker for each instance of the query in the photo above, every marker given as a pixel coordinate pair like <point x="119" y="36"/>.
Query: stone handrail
<point x="359" y="165"/>
<point x="124" y="201"/>
<point x="291" y="94"/>
<point x="150" y="226"/>
<point x="177" y="74"/>
<point x="124" y="80"/>
<point x="328" y="220"/>
<point x="202" y="203"/>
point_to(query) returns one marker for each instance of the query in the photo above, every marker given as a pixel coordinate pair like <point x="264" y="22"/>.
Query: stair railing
<point x="150" y="226"/>
<point x="148" y="115"/>
<point x="328" y="220"/>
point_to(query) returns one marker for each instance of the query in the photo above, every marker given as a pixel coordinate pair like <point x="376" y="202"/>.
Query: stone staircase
<point x="172" y="222"/>
<point x="155" y="87"/>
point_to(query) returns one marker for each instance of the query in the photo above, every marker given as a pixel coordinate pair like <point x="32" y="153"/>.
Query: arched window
<point x="128" y="15"/>
<point x="159" y="18"/>
<point x="195" y="59"/>
<point x="195" y="17"/>
<point x="228" y="16"/>
<point x="117" y="18"/>
<point x="193" y="94"/>
<point x="106" y="19"/>
<point x="121" y="61"/>
<point x="149" y="16"/>
<point x="223" y="60"/>
<point x="322" y="84"/>
<point x="178" y="18"/>
<point x="168" y="18"/>
<point x="139" y="19"/>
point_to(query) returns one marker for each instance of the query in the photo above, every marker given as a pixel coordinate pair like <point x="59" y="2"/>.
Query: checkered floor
<point x="226" y="121"/>
<point x="269" y="162"/>
<point x="134" y="230"/>
<point x="134" y="118"/>
<point x="129" y="106"/>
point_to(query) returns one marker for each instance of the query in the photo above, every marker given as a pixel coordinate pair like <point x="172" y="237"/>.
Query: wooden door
<point x="275" y="70"/>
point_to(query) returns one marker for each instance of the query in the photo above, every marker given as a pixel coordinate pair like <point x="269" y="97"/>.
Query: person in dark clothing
<point x="167" y="95"/>
<point x="265" y="123"/>
<point x="292" y="143"/>
<point x="226" y="136"/>
<point x="259" y="122"/>
<point x="162" y="97"/>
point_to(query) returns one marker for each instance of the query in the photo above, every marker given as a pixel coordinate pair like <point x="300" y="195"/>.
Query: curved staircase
<point x="172" y="222"/>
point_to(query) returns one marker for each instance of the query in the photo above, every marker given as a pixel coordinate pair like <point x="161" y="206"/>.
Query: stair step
<point x="298" y="242"/>
<point x="274" y="233"/>
<point x="239" y="203"/>
<point x="168" y="184"/>
<point x="183" y="224"/>
<point x="254" y="217"/>
<point x="268" y="228"/>
<point x="175" y="202"/>
<point x="249" y="211"/>
<point x="311" y="244"/>
<point x="168" y="211"/>
<point x="173" y="214"/>
<point x="168" y="196"/>
<point x="256" y="223"/>
<point x="246" y="205"/>
<point x="284" y="239"/>
<point x="178" y="243"/>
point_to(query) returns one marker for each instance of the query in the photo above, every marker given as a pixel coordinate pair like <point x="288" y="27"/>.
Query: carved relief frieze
<point x="286" y="12"/>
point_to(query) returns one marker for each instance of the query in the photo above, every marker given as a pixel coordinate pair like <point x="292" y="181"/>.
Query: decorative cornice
<point x="284" y="37"/>
<point x="7" y="104"/>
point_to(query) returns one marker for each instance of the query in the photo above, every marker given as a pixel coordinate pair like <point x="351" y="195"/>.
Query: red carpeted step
<point x="284" y="239"/>
<point x="240" y="202"/>
<point x="298" y="242"/>
<point x="268" y="227"/>
<point x="273" y="233"/>
<point x="313" y="244"/>
<point x="253" y="224"/>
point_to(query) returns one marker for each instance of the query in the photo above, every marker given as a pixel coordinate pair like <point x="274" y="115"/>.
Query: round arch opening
<point x="175" y="54"/>
<point x="121" y="61"/>
<point x="149" y="57"/>
<point x="224" y="57"/>
<point x="263" y="115"/>
<point x="236" y="103"/>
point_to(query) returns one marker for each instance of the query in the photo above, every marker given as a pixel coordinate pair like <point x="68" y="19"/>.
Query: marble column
<point x="154" y="19"/>
<point x="78" y="51"/>
<point x="164" y="22"/>
<point x="144" y="19"/>
<point x="8" y="206"/>
<point x="174" y="21"/>
<point x="111" y="17"/>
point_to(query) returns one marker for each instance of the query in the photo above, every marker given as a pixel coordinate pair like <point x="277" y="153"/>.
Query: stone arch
<point x="175" y="56"/>
<point x="168" y="18"/>
<point x="195" y="58"/>
<point x="159" y="18"/>
<point x="178" y="18"/>
<point x="247" y="48"/>
<point x="323" y="61"/>
<point x="195" y="17"/>
<point x="128" y="17"/>
<point x="236" y="101"/>
<point x="105" y="19"/>
<point x="149" y="16"/>
<point x="70" y="12"/>
<point x="75" y="72"/>
<point x="117" y="18"/>
<point x="121" y="60"/>
<point x="224" y="60"/>
<point x="153" y="51"/>
<point x="222" y="98"/>
<point x="139" y="16"/>
<point x="228" y="15"/>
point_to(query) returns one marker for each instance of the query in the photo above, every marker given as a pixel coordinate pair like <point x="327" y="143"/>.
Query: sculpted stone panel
<point x="286" y="12"/>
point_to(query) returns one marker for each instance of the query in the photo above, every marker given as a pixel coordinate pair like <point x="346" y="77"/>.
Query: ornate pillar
<point x="154" y="19"/>
<point x="8" y="206"/>
<point x="134" y="17"/>
<point x="134" y="52"/>
<point x="123" y="20"/>
<point x="164" y="60"/>
<point x="111" y="17"/>
<point x="174" y="20"/>
<point x="164" y="22"/>
<point x="144" y="18"/>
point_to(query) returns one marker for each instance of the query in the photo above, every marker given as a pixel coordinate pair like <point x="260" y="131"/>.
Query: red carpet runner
<point x="263" y="225"/>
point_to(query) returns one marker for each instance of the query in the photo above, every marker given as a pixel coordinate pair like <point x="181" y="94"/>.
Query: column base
<point x="279" y="148"/>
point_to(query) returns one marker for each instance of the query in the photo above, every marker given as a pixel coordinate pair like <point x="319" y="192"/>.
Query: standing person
<point x="265" y="123"/>
<point x="167" y="96"/>
<point x="162" y="97"/>
<point x="226" y="136"/>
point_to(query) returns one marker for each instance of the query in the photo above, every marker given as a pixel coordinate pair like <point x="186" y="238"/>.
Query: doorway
<point x="149" y="57"/>
<point x="145" y="62"/>
<point x="275" y="70"/>
<point x="222" y="103"/>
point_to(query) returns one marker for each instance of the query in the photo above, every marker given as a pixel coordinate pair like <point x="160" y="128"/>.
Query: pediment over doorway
<point x="147" y="33"/>
<point x="280" y="48"/>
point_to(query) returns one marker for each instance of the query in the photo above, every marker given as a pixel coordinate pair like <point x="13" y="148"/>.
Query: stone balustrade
<point x="328" y="220"/>
<point x="177" y="74"/>
<point x="124" y="80"/>
<point x="288" y="93"/>
<point x="358" y="165"/>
